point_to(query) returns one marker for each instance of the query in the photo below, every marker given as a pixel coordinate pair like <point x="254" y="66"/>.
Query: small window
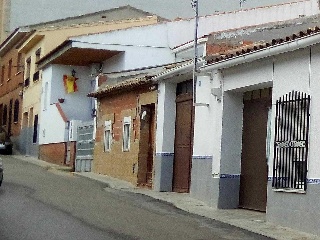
<point x="16" y="111"/>
<point x="19" y="63"/>
<point x="185" y="87"/>
<point x="126" y="134"/>
<point x="27" y="74"/>
<point x="107" y="136"/>
<point x="38" y="55"/>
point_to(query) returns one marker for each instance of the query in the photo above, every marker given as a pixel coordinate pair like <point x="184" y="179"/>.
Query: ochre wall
<point x="116" y="163"/>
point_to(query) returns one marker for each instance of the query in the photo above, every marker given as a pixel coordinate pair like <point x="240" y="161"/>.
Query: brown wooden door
<point x="254" y="169"/>
<point x="183" y="143"/>
<point x="147" y="145"/>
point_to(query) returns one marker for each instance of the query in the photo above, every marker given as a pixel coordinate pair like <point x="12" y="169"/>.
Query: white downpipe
<point x="96" y="108"/>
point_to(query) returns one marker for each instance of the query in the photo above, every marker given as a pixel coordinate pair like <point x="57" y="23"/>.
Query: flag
<point x="70" y="83"/>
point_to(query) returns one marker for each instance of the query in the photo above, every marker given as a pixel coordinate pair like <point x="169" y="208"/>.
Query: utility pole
<point x="195" y="7"/>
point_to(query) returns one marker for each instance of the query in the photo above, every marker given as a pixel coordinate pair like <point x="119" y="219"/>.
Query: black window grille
<point x="291" y="141"/>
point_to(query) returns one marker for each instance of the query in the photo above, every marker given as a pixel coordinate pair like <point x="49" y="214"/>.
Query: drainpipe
<point x="179" y="70"/>
<point x="95" y="108"/>
<point x="195" y="5"/>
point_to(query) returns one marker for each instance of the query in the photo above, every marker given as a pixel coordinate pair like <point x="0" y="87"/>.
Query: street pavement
<point x="248" y="220"/>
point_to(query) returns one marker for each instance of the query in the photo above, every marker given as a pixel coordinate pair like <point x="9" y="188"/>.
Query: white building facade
<point x="259" y="129"/>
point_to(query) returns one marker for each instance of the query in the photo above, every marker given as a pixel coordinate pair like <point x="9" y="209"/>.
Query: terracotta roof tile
<point x="122" y="86"/>
<point x="257" y="46"/>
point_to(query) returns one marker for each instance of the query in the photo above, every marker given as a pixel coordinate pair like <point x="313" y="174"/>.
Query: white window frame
<point x="107" y="136"/>
<point x="126" y="137"/>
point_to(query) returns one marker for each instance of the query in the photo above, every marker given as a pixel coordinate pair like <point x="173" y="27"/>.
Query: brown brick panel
<point x="53" y="153"/>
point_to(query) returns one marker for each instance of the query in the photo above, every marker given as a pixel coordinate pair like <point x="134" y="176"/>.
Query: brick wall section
<point x="10" y="87"/>
<point x="53" y="153"/>
<point x="224" y="46"/>
<point x="116" y="163"/>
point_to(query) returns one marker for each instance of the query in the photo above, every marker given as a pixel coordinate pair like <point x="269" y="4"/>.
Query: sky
<point x="47" y="10"/>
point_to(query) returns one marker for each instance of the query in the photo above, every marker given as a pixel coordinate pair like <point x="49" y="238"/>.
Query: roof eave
<point x="12" y="40"/>
<point x="47" y="59"/>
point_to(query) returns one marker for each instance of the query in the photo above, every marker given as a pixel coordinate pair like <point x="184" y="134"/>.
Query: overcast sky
<point x="34" y="11"/>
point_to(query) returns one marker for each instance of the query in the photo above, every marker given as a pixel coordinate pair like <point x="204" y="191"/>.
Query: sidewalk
<point x="250" y="220"/>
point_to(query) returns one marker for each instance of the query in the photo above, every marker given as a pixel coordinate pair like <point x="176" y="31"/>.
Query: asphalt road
<point x="42" y="204"/>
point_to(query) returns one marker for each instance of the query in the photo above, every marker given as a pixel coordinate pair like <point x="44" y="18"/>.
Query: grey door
<point x="85" y="146"/>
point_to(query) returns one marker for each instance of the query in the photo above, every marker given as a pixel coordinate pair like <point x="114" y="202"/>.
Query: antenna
<point x="242" y="2"/>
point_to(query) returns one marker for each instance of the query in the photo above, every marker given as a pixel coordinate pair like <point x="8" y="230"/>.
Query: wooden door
<point x="146" y="145"/>
<point x="254" y="169"/>
<point x="183" y="143"/>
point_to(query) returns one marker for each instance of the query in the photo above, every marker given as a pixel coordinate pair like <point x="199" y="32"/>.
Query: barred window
<point x="126" y="134"/>
<point x="291" y="141"/>
<point x="107" y="136"/>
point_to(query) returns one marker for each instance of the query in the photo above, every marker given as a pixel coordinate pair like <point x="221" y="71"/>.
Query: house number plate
<point x="293" y="144"/>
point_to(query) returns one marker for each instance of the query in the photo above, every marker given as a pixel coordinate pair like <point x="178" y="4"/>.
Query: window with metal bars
<point x="126" y="134"/>
<point x="291" y="141"/>
<point x="107" y="136"/>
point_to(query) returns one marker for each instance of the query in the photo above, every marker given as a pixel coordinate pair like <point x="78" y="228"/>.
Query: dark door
<point x="254" y="169"/>
<point x="183" y="143"/>
<point x="10" y="117"/>
<point x="35" y="129"/>
<point x="146" y="145"/>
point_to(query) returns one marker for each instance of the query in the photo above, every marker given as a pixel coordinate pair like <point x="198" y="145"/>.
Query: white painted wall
<point x="314" y="162"/>
<point x="203" y="119"/>
<point x="114" y="64"/>
<point x="157" y="36"/>
<point x="222" y="124"/>
<point x="166" y="115"/>
<point x="77" y="106"/>
<point x="291" y="72"/>
<point x="138" y="57"/>
<point x="296" y="71"/>
<point x="231" y="137"/>
<point x="247" y="76"/>
<point x="50" y="121"/>
<point x="173" y="34"/>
